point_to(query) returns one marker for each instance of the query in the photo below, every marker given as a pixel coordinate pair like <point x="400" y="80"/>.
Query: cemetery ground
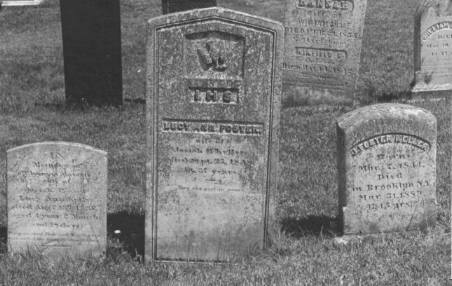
<point x="303" y="252"/>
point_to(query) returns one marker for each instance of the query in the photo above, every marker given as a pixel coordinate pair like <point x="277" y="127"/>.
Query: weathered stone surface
<point x="57" y="199"/>
<point x="432" y="48"/>
<point x="213" y="97"/>
<point x="323" y="49"/>
<point x="387" y="168"/>
<point x="171" y="6"/>
<point x="92" y="52"/>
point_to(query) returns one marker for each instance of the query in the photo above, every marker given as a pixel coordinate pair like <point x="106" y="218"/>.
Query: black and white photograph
<point x="225" y="142"/>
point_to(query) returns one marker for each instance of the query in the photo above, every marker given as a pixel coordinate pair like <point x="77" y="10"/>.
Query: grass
<point x="304" y="252"/>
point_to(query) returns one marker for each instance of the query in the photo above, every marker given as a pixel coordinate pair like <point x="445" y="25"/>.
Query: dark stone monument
<point x="92" y="52"/>
<point x="213" y="97"/>
<point x="171" y="6"/>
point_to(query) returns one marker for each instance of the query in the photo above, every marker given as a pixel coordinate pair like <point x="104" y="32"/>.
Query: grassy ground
<point x="31" y="72"/>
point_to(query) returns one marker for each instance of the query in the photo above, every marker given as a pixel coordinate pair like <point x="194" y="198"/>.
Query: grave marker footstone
<point x="432" y="47"/>
<point x="57" y="199"/>
<point x="213" y="98"/>
<point x="323" y="49"/>
<point x="171" y="6"/>
<point x="387" y="168"/>
<point x="92" y="52"/>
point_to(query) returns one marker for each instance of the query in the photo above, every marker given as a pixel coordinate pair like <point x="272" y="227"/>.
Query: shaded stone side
<point x="171" y="6"/>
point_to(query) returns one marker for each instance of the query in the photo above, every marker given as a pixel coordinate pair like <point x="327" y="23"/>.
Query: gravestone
<point x="57" y="199"/>
<point x="92" y="52"/>
<point x="433" y="46"/>
<point x="387" y="169"/>
<point x="213" y="96"/>
<point x="323" y="49"/>
<point x="171" y="6"/>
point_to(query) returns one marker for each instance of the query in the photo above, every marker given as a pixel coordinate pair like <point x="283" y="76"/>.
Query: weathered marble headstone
<point x="92" y="52"/>
<point x="433" y="46"/>
<point x="387" y="168"/>
<point x="323" y="48"/>
<point x="213" y="97"/>
<point x="57" y="199"/>
<point x="171" y="6"/>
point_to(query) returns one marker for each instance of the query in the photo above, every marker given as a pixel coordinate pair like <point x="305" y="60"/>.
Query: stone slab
<point x="213" y="101"/>
<point x="323" y="49"/>
<point x="432" y="46"/>
<point x="171" y="6"/>
<point x="92" y="52"/>
<point x="57" y="199"/>
<point x="387" y="169"/>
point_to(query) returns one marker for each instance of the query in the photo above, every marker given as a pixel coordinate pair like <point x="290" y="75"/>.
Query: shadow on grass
<point x="312" y="225"/>
<point x="126" y="231"/>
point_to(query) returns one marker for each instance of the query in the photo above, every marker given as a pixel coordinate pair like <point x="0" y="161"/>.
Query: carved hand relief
<point x="215" y="54"/>
<point x="212" y="56"/>
<point x="214" y="63"/>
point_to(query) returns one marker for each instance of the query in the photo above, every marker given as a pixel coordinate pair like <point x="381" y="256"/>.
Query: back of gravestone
<point x="92" y="52"/>
<point x="57" y="196"/>
<point x="213" y="115"/>
<point x="171" y="6"/>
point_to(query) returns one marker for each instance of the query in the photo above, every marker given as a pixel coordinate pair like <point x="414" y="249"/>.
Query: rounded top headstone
<point x="384" y="111"/>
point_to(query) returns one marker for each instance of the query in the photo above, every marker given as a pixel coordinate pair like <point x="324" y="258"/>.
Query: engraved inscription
<point x="390" y="175"/>
<point x="319" y="53"/>
<point x="327" y="4"/>
<point x="55" y="201"/>
<point x="226" y="128"/>
<point x="323" y="45"/>
<point x="396" y="138"/>
<point x="213" y="164"/>
<point x="436" y="28"/>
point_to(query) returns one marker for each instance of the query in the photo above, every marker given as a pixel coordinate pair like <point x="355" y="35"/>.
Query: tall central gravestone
<point x="323" y="48"/>
<point x="92" y="52"/>
<point x="213" y="96"/>
<point x="171" y="6"/>
<point x="57" y="199"/>
<point x="387" y="168"/>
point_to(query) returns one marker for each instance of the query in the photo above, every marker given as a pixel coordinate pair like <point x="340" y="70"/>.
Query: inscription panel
<point x="323" y="45"/>
<point x="390" y="176"/>
<point x="211" y="143"/>
<point x="57" y="198"/>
